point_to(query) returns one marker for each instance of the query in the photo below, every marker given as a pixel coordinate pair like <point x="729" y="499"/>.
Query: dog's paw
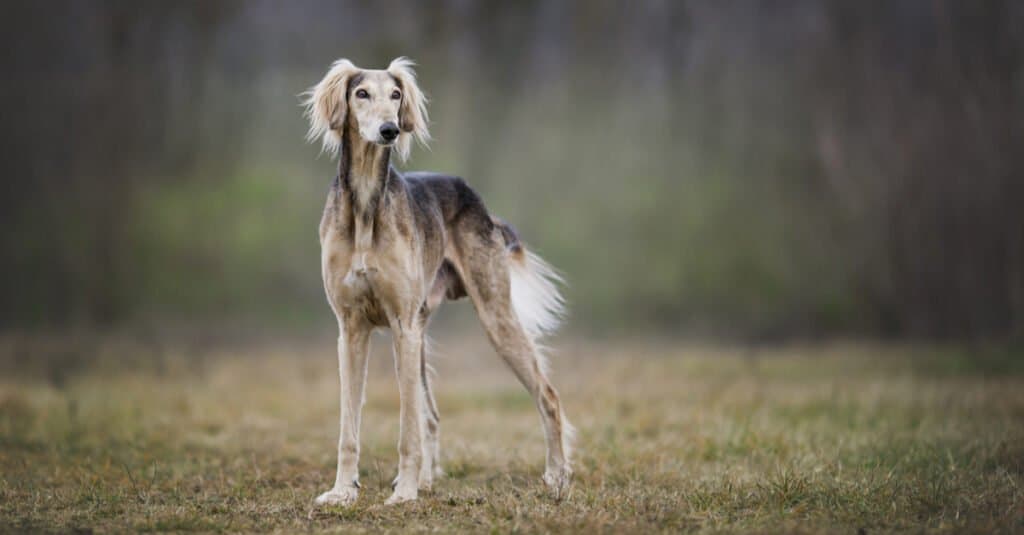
<point x="338" y="496"/>
<point x="558" y="481"/>
<point x="405" y="490"/>
<point x="400" y="497"/>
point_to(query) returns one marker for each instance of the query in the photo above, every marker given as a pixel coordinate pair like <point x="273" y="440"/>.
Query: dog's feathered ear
<point x="326" y="106"/>
<point x="412" y="115"/>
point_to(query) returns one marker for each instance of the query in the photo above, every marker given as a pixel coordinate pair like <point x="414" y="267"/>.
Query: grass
<point x="831" y="438"/>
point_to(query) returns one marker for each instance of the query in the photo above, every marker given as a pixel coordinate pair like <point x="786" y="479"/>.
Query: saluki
<point x="393" y="247"/>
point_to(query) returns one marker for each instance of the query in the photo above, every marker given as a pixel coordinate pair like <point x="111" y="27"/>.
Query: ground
<point x="673" y="437"/>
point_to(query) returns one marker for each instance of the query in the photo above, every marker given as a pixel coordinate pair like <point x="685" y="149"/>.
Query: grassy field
<point x="837" y="438"/>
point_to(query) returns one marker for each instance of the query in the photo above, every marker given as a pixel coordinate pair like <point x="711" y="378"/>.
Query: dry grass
<point x="837" y="438"/>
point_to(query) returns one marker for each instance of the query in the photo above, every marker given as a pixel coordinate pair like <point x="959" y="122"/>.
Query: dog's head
<point x="384" y="107"/>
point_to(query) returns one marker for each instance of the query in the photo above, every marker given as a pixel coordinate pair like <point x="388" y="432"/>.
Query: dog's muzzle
<point x="388" y="131"/>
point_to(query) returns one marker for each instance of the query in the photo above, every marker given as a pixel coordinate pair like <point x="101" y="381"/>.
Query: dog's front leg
<point x="353" y="346"/>
<point x="408" y="338"/>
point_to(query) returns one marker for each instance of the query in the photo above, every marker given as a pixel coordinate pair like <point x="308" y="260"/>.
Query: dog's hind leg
<point x="407" y="333"/>
<point x="431" y="466"/>
<point x="483" y="264"/>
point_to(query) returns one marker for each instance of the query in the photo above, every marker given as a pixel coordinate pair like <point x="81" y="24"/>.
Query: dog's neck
<point x="363" y="170"/>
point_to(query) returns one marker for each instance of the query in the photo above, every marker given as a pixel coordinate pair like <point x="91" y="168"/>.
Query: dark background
<point x="751" y="170"/>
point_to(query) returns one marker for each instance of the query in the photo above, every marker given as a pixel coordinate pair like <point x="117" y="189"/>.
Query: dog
<point x="394" y="246"/>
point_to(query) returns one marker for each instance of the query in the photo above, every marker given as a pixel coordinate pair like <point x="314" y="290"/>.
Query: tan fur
<point x="392" y="251"/>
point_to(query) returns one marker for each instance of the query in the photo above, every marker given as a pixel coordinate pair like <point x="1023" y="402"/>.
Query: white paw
<point x="338" y="496"/>
<point x="400" y="496"/>
<point x="558" y="481"/>
<point x="405" y="490"/>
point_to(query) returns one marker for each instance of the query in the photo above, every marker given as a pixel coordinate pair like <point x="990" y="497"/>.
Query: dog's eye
<point x="362" y="94"/>
<point x="396" y="94"/>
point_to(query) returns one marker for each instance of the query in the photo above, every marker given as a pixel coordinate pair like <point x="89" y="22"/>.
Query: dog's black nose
<point x="389" y="131"/>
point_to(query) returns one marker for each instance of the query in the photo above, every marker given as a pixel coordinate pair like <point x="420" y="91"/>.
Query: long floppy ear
<point x="412" y="115"/>
<point x="326" y="105"/>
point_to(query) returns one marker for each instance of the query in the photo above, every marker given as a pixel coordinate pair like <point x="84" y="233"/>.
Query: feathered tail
<point x="535" y="295"/>
<point x="534" y="287"/>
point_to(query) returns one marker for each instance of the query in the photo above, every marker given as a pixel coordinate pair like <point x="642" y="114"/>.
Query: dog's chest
<point x="353" y="280"/>
<point x="363" y="262"/>
<point x="359" y="292"/>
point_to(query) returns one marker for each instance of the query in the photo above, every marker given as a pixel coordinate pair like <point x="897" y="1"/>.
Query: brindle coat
<point x="394" y="247"/>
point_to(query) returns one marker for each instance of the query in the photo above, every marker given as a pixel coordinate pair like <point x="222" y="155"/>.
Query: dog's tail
<point x="534" y="285"/>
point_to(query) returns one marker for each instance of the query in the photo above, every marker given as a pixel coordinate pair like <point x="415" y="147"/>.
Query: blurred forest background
<point x="745" y="169"/>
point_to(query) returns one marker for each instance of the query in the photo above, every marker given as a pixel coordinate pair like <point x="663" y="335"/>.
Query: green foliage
<point x="797" y="169"/>
<point x="245" y="245"/>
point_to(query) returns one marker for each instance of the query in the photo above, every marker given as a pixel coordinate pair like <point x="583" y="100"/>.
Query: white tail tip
<point x="535" y="295"/>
